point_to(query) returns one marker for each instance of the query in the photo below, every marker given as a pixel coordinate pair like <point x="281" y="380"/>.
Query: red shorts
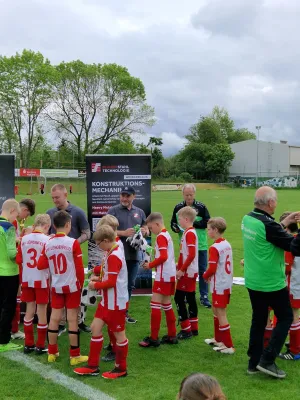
<point x="220" y="300"/>
<point x="186" y="284"/>
<point x="68" y="300"/>
<point x="295" y="303"/>
<point x="164" y="288"/>
<point x="114" y="319"/>
<point x="40" y="296"/>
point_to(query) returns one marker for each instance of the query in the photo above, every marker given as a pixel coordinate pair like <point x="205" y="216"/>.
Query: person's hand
<point x="242" y="263"/>
<point x="179" y="274"/>
<point x="145" y="231"/>
<point x="146" y="265"/>
<point x="129" y="232"/>
<point x="293" y="217"/>
<point x="95" y="278"/>
<point x="91" y="285"/>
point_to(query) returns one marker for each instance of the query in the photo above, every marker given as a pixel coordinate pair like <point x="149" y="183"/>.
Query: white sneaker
<point x="18" y="335"/>
<point x="212" y="342"/>
<point x="224" y="350"/>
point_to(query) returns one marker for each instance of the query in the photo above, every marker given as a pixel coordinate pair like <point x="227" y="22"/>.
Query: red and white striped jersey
<point x="294" y="279"/>
<point x="29" y="252"/>
<point x="189" y="238"/>
<point x="18" y="228"/>
<point x="63" y="256"/>
<point x="220" y="253"/>
<point x="165" y="272"/>
<point x="115" y="298"/>
<point x="120" y="244"/>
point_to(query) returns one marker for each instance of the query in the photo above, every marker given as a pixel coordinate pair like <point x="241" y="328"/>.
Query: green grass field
<point x="155" y="374"/>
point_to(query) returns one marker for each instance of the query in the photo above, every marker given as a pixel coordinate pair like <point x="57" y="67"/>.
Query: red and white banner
<point x="30" y="172"/>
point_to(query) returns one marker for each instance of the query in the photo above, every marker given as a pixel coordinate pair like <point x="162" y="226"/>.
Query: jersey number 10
<point x="59" y="263"/>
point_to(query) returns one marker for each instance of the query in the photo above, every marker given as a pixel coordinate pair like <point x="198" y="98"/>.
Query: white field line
<point x="80" y="389"/>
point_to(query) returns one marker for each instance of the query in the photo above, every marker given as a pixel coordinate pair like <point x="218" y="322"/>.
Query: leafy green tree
<point x="239" y="135"/>
<point x="123" y="145"/>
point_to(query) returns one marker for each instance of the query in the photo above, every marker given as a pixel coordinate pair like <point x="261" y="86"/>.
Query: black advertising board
<point x="7" y="177"/>
<point x="106" y="176"/>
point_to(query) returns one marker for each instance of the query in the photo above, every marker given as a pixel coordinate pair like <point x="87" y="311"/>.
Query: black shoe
<point x="182" y="335"/>
<point x="61" y="329"/>
<point x="130" y="320"/>
<point x="149" y="342"/>
<point x="195" y="333"/>
<point x="84" y="328"/>
<point x="41" y="350"/>
<point x="271" y="369"/>
<point x="108" y="347"/>
<point x="252" y="371"/>
<point x="169" y="340"/>
<point x="29" y="349"/>
<point x="205" y="302"/>
<point x="289" y="356"/>
<point x="111" y="356"/>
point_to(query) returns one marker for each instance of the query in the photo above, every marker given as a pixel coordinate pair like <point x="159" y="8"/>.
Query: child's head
<point x="155" y="222"/>
<point x="109" y="220"/>
<point x="186" y="217"/>
<point x="216" y="227"/>
<point x="200" y="387"/>
<point x="292" y="228"/>
<point x="62" y="221"/>
<point x="10" y="210"/>
<point x="42" y="222"/>
<point x="27" y="209"/>
<point x="105" y="237"/>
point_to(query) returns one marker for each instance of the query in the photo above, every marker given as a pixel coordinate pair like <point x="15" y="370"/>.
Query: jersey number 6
<point x="59" y="263"/>
<point x="228" y="265"/>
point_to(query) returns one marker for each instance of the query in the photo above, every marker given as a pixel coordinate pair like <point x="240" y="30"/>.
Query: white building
<point x="265" y="159"/>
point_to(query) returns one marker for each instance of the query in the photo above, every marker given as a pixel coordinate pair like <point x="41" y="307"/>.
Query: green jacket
<point x="8" y="249"/>
<point x="264" y="244"/>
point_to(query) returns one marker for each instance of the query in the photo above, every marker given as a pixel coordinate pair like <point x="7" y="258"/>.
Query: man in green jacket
<point x="9" y="272"/>
<point x="264" y="244"/>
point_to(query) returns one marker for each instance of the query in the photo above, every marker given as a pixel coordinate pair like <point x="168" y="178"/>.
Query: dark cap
<point x="128" y="190"/>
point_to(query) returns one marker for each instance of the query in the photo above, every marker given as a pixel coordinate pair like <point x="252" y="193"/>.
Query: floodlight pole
<point x="258" y="127"/>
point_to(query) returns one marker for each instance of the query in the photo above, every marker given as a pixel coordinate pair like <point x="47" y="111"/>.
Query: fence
<point x="280" y="179"/>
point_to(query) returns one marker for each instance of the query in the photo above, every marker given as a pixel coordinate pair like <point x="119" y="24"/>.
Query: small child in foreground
<point x="164" y="283"/>
<point x="200" y="387"/>
<point x="220" y="275"/>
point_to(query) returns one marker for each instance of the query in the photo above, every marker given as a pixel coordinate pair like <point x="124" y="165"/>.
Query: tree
<point x="96" y="103"/>
<point x="123" y="145"/>
<point x="206" y="131"/>
<point x="25" y="92"/>
<point x="240" y="135"/>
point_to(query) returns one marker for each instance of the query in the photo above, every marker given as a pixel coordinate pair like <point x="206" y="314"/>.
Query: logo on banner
<point x="96" y="167"/>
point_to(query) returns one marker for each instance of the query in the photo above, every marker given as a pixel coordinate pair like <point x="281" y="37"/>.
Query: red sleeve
<point x="77" y="255"/>
<point x="43" y="262"/>
<point x="162" y="244"/>
<point x="289" y="261"/>
<point x="97" y="270"/>
<point x="179" y="262"/>
<point x="191" y="244"/>
<point x="212" y="263"/>
<point x="19" y="257"/>
<point x="114" y="265"/>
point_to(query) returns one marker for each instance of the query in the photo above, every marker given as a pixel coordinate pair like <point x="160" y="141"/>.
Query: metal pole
<point x="258" y="127"/>
<point x="73" y="158"/>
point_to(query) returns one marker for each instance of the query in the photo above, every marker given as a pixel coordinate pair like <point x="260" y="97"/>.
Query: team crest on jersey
<point x="136" y="215"/>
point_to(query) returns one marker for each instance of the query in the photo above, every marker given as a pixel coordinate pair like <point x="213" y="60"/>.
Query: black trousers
<point x="261" y="301"/>
<point x="181" y="298"/>
<point x="8" y="298"/>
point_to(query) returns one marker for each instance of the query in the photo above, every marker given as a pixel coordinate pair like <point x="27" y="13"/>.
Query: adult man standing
<point x="200" y="224"/>
<point x="80" y="230"/>
<point x="128" y="216"/>
<point x="264" y="243"/>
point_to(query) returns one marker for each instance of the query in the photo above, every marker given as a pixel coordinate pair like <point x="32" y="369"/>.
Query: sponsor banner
<point x="106" y="177"/>
<point x="7" y="177"/>
<point x="17" y="172"/>
<point x="166" y="187"/>
<point x="57" y="173"/>
<point x="29" y="172"/>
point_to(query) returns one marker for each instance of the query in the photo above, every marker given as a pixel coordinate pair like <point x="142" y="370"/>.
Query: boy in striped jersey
<point x="220" y="275"/>
<point x="164" y="283"/>
<point x="111" y="310"/>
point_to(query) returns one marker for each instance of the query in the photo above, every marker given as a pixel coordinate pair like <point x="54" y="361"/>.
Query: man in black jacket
<point x="200" y="224"/>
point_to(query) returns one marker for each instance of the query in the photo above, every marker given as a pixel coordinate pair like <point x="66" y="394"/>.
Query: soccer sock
<point x="28" y="330"/>
<point x="74" y="351"/>
<point x="170" y="318"/>
<point x="226" y="335"/>
<point x="112" y="339"/>
<point x="16" y="320"/>
<point x="267" y="335"/>
<point x="155" y="319"/>
<point x="95" y="350"/>
<point x="194" y="324"/>
<point x="295" y="338"/>
<point x="217" y="333"/>
<point x="42" y="333"/>
<point x="185" y="325"/>
<point x="121" y="355"/>
<point x="52" y="348"/>
<point x="274" y="322"/>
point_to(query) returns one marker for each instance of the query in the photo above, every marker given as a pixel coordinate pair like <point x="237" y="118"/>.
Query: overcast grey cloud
<point x="191" y="55"/>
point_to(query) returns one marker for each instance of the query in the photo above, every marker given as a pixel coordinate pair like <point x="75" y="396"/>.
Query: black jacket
<point x="202" y="212"/>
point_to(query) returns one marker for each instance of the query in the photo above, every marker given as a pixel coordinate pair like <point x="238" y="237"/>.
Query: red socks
<point x="42" y="333"/>
<point x="28" y="330"/>
<point x="121" y="355"/>
<point x="186" y="326"/>
<point x="170" y="318"/>
<point x="155" y="319"/>
<point x="52" y="348"/>
<point x="75" y="352"/>
<point x="194" y="324"/>
<point x="95" y="350"/>
<point x="226" y="335"/>
<point x="16" y="320"/>
<point x="295" y="338"/>
<point x="217" y="333"/>
<point x="112" y="340"/>
<point x="267" y="335"/>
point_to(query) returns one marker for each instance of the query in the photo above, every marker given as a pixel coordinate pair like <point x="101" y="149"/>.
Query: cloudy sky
<point x="191" y="55"/>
